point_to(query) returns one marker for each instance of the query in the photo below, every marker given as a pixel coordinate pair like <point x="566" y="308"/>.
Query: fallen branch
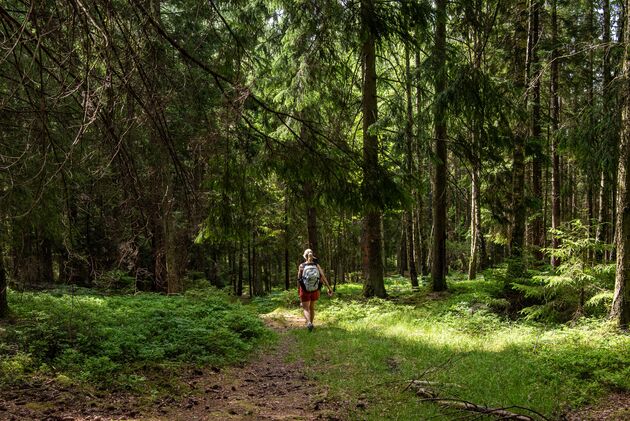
<point x="462" y="405"/>
<point x="422" y="383"/>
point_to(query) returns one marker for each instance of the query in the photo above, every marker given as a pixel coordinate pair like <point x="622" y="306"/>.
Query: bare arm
<point x="321" y="271"/>
<point x="299" y="275"/>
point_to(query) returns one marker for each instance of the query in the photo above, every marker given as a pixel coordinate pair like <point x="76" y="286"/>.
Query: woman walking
<point x="310" y="275"/>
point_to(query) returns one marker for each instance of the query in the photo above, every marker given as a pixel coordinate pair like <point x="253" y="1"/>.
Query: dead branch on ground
<point x="462" y="405"/>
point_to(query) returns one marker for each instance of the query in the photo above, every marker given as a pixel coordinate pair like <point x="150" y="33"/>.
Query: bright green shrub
<point x="578" y="286"/>
<point x="104" y="340"/>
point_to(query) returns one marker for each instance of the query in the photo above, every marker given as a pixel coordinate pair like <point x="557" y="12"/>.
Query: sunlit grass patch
<point x="372" y="348"/>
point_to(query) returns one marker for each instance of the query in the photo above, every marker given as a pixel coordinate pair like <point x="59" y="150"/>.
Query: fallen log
<point x="462" y="405"/>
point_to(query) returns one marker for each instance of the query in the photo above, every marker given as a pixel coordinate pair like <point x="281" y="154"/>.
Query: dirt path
<point x="266" y="388"/>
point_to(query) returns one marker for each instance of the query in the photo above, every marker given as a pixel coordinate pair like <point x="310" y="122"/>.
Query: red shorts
<point x="308" y="296"/>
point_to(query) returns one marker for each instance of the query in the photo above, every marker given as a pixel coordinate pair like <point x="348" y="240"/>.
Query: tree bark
<point x="620" y="310"/>
<point x="516" y="266"/>
<point x="4" y="306"/>
<point x="438" y="268"/>
<point x="555" y="121"/>
<point x="158" y="252"/>
<point x="286" y="242"/>
<point x="257" y="284"/>
<point x="239" y="280"/>
<point x="538" y="229"/>
<point x="373" y="246"/>
<point x="607" y="99"/>
<point x="249" y="268"/>
<point x="407" y="216"/>
<point x="476" y="236"/>
<point x="402" y="253"/>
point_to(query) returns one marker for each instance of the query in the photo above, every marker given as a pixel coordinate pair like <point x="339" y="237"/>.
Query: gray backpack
<point x="310" y="277"/>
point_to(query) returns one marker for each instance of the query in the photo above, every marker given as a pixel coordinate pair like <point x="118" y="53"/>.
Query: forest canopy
<point x="150" y="143"/>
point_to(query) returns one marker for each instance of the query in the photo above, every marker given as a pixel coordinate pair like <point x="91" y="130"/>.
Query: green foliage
<point x="109" y="341"/>
<point x="578" y="286"/>
<point x="368" y="351"/>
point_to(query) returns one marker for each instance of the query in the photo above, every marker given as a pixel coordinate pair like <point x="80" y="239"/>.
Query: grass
<point x="364" y="351"/>
<point x="119" y="342"/>
<point x="367" y="351"/>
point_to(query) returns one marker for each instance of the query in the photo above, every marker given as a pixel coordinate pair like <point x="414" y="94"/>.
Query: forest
<point x="461" y="169"/>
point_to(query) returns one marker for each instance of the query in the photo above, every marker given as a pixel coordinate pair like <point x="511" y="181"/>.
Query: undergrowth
<point x="116" y="341"/>
<point x="367" y="350"/>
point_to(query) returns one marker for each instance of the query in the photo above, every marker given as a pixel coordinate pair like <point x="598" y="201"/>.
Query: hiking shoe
<point x="310" y="327"/>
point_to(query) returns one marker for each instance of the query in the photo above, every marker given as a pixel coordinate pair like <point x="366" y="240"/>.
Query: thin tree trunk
<point x="538" y="231"/>
<point x="402" y="253"/>
<point x="620" y="310"/>
<point x="250" y="272"/>
<point x="602" y="208"/>
<point x="4" y="306"/>
<point x="419" y="213"/>
<point x="239" y="281"/>
<point x="555" y="120"/>
<point x="407" y="215"/>
<point x="516" y="266"/>
<point x="607" y="98"/>
<point x="438" y="267"/>
<point x="287" y="285"/>
<point x="158" y="213"/>
<point x="476" y="236"/>
<point x="158" y="254"/>
<point x="373" y="246"/>
<point x="257" y="282"/>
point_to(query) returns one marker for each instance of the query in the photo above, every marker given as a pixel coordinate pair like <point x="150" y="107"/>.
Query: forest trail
<point x="265" y="388"/>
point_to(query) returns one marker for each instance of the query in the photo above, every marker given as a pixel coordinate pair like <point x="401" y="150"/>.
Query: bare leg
<point x="312" y="311"/>
<point x="306" y="306"/>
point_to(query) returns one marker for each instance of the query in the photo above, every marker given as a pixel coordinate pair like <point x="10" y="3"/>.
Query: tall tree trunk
<point x="607" y="99"/>
<point x="555" y="121"/>
<point x="419" y="213"/>
<point x="591" y="179"/>
<point x="620" y="310"/>
<point x="373" y="246"/>
<point x="618" y="117"/>
<point x="438" y="268"/>
<point x="157" y="195"/>
<point x="538" y="229"/>
<point x="409" y="167"/>
<point x="516" y="266"/>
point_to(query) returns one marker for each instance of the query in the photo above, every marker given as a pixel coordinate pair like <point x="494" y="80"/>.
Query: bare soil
<point x="615" y="407"/>
<point x="269" y="387"/>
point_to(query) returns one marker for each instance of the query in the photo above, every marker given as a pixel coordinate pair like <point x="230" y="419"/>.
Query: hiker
<point x="309" y="274"/>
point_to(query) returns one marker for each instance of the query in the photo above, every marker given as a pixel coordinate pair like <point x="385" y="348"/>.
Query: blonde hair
<point x="307" y="252"/>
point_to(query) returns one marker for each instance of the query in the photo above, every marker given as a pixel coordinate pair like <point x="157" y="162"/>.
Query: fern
<point x="578" y="284"/>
